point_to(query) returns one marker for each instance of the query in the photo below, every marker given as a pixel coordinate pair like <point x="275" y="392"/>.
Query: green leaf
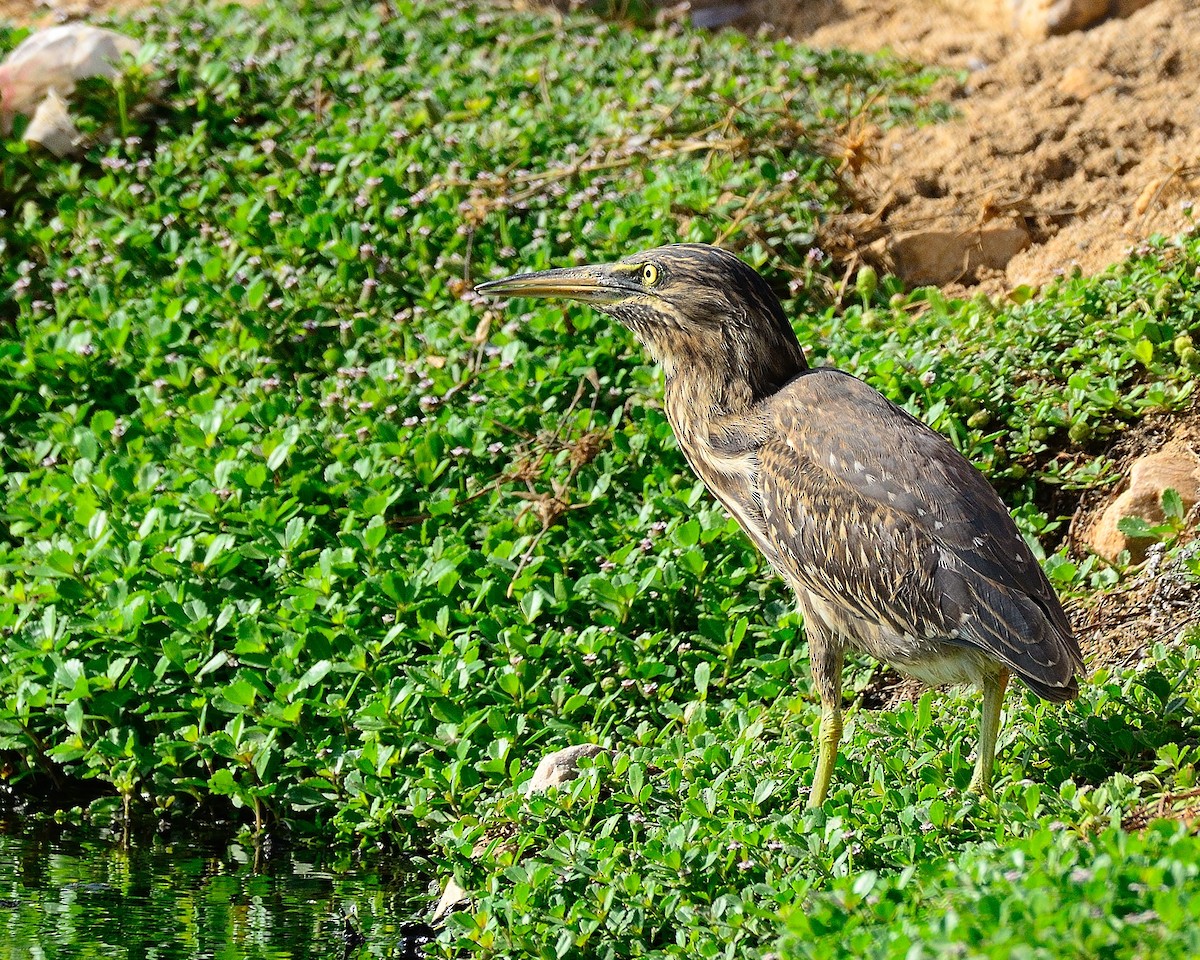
<point x="222" y="783"/>
<point x="256" y="293"/>
<point x="314" y="675"/>
<point x="1136" y="527"/>
<point x="220" y="544"/>
<point x="687" y="534"/>
<point x="74" y="716"/>
<point x="1172" y="504"/>
<point x="240" y="693"/>
<point x="637" y="778"/>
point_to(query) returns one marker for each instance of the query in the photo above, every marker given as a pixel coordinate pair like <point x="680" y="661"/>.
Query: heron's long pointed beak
<point x="599" y="285"/>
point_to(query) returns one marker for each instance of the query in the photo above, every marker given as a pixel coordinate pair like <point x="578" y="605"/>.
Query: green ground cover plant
<point x="296" y="527"/>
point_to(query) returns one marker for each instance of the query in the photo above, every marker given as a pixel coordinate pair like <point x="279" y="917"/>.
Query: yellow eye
<point x="649" y="275"/>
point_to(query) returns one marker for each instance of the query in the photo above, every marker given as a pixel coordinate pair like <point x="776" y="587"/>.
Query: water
<point x="80" y="893"/>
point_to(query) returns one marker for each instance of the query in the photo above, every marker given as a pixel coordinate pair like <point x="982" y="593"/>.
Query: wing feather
<point x="870" y="509"/>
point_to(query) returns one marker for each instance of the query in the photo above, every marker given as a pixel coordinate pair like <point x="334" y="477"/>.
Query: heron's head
<point x="692" y="305"/>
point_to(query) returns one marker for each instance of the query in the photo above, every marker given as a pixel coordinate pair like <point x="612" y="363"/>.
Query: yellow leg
<point x="830" y="734"/>
<point x="994" y="686"/>
<point x="825" y="657"/>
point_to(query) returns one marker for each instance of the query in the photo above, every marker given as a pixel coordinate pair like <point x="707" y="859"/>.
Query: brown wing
<point x="872" y="510"/>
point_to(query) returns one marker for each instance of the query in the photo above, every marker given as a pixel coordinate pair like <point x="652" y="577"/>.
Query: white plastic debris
<point x="52" y="126"/>
<point x="55" y="60"/>
<point x="555" y="769"/>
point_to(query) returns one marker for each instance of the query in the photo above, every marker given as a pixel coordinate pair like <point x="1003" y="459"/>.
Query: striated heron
<point x="894" y="544"/>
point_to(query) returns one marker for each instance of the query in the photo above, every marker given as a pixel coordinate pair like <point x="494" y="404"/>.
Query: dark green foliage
<point x="290" y="519"/>
<point x="1112" y="895"/>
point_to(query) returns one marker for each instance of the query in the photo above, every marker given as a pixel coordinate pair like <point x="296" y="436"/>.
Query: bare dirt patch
<point x="1085" y="144"/>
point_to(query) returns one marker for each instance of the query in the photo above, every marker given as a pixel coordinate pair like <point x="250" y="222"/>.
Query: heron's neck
<point x="729" y="377"/>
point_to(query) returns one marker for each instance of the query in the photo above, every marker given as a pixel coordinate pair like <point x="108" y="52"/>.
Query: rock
<point x="56" y="59"/>
<point x="1150" y="195"/>
<point x="555" y="769"/>
<point x="52" y="127"/>
<point x="1080" y="82"/>
<point x="1043" y="18"/>
<point x="1125" y="8"/>
<point x="560" y="767"/>
<point x="1039" y="19"/>
<point x="1176" y="469"/>
<point x="940" y="256"/>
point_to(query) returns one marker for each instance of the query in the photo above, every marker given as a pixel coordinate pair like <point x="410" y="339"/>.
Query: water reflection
<point x="80" y="893"/>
